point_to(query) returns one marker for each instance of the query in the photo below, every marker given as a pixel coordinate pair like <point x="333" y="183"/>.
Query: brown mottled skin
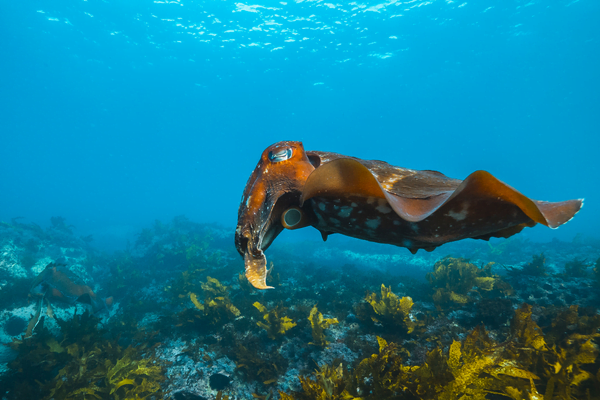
<point x="59" y="286"/>
<point x="379" y="202"/>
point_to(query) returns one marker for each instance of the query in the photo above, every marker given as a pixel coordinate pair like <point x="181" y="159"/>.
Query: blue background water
<point x="116" y="113"/>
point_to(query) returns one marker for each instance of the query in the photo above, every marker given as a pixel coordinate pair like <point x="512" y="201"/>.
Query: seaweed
<point x="217" y="308"/>
<point x="494" y="312"/>
<point x="107" y="371"/>
<point x="577" y="268"/>
<point x="81" y="364"/>
<point x="318" y="325"/>
<point x="328" y="384"/>
<point x="528" y="365"/>
<point x="383" y="374"/>
<point x="60" y="224"/>
<point x="265" y="367"/>
<point x="457" y="282"/>
<point x="275" y="325"/>
<point x="213" y="288"/>
<point x="390" y="310"/>
<point x="244" y="283"/>
<point x="537" y="267"/>
<point x="558" y="359"/>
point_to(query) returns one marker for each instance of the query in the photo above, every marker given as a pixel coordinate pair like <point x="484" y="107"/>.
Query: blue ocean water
<point x="114" y="114"/>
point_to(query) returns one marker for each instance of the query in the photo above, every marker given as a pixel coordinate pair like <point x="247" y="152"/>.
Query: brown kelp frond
<point x="217" y="307"/>
<point x="275" y="325"/>
<point x="456" y="281"/>
<point x="265" y="367"/>
<point x="244" y="283"/>
<point x="390" y="310"/>
<point x="537" y="267"/>
<point x="384" y="374"/>
<point x="213" y="288"/>
<point x="83" y="364"/>
<point x="328" y="383"/>
<point x="561" y="360"/>
<point x="525" y="331"/>
<point x="577" y="268"/>
<point x="215" y="310"/>
<point x="318" y="325"/>
<point x="525" y="366"/>
<point x="107" y="372"/>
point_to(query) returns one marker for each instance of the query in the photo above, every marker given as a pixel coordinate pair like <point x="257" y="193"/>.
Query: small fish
<point x="55" y="284"/>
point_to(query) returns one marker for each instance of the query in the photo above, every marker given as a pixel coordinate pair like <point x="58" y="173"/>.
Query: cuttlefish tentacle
<point x="274" y="186"/>
<point x="379" y="202"/>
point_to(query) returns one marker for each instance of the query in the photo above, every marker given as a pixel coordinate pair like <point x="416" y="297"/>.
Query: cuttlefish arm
<point x="274" y="186"/>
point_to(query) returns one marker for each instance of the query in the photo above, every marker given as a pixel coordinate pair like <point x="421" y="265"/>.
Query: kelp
<point x="457" y="282"/>
<point x="577" y="268"/>
<point x="523" y="367"/>
<point x="328" y="383"/>
<point x="82" y="364"/>
<point x="257" y="365"/>
<point x="389" y="310"/>
<point x="318" y="325"/>
<point x="213" y="288"/>
<point x="217" y="310"/>
<point x="107" y="372"/>
<point x="560" y="360"/>
<point x="383" y="374"/>
<point x="275" y="325"/>
<point x="536" y="267"/>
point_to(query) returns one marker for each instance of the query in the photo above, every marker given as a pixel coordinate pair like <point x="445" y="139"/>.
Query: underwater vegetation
<point x="217" y="307"/>
<point x="389" y="310"/>
<point x="82" y="364"/>
<point x="275" y="325"/>
<point x="528" y="365"/>
<point x="536" y="267"/>
<point x="577" y="268"/>
<point x="187" y="324"/>
<point x="457" y="282"/>
<point x="318" y="325"/>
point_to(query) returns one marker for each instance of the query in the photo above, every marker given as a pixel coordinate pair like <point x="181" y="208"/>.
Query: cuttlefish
<point x="372" y="200"/>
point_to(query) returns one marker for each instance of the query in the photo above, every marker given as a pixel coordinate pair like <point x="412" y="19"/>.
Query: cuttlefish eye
<point x="281" y="155"/>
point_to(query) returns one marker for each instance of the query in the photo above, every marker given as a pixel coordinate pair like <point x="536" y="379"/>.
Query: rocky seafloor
<point x="472" y="320"/>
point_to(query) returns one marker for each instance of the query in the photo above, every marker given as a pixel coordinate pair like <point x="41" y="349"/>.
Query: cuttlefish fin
<point x="346" y="177"/>
<point x="339" y="178"/>
<point x="483" y="185"/>
<point x="256" y="270"/>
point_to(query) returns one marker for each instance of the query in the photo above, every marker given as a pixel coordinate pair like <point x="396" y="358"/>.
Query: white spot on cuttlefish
<point x="457" y="216"/>
<point x="345" y="212"/>
<point x="334" y="221"/>
<point x="396" y="222"/>
<point x="373" y="223"/>
<point x="383" y="209"/>
<point x="322" y="206"/>
<point x="371" y="200"/>
<point x="462" y="214"/>
<point x="353" y="204"/>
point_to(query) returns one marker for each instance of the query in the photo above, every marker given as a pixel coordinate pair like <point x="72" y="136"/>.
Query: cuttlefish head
<point x="273" y="188"/>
